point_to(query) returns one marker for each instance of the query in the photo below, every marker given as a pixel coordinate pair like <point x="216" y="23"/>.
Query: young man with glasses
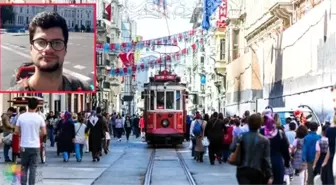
<point x="48" y="36"/>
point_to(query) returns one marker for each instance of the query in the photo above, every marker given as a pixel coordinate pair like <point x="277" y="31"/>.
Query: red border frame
<point x="94" y="48"/>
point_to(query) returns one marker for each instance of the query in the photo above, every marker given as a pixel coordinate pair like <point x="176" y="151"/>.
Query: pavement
<point x="126" y="164"/>
<point x="79" y="60"/>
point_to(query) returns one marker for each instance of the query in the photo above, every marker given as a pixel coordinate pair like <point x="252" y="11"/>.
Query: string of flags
<point x="146" y="64"/>
<point x="149" y="44"/>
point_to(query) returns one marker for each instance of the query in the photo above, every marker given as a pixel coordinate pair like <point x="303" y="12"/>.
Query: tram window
<point x="178" y="100"/>
<point x="170" y="100"/>
<point x="160" y="100"/>
<point x="152" y="98"/>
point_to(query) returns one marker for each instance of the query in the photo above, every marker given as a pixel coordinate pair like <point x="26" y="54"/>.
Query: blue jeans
<point x="6" y="152"/>
<point x="226" y="154"/>
<point x="51" y="136"/>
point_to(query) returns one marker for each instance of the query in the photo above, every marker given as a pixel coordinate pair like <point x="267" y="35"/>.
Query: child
<point x="322" y="155"/>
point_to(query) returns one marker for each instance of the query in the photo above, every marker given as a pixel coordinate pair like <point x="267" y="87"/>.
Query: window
<point x="27" y="20"/>
<point x="222" y="49"/>
<point x="160" y="100"/>
<point x="152" y="98"/>
<point x="235" y="48"/>
<point x="170" y="99"/>
<point x="178" y="100"/>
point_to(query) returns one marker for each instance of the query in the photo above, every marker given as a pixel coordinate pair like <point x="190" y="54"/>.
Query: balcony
<point x="283" y="9"/>
<point x="220" y="66"/>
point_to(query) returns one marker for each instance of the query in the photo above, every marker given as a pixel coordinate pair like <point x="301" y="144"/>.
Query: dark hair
<point x="47" y="20"/>
<point x="254" y="122"/>
<point x="288" y="120"/>
<point x="246" y="113"/>
<point x="32" y="103"/>
<point x="12" y="109"/>
<point x="206" y="117"/>
<point x="313" y="126"/>
<point x="98" y="110"/>
<point x="80" y="117"/>
<point x="22" y="109"/>
<point x="221" y="116"/>
<point x="324" y="128"/>
<point x="214" y="115"/>
<point x="301" y="131"/>
<point x="292" y="126"/>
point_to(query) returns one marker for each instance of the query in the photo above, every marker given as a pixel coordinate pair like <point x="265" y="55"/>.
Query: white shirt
<point x="30" y="124"/>
<point x="80" y="130"/>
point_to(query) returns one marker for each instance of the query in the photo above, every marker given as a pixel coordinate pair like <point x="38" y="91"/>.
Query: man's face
<point x="45" y="57"/>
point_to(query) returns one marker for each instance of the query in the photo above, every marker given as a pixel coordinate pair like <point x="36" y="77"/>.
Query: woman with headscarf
<point x="96" y="134"/>
<point x="280" y="157"/>
<point x="66" y="136"/>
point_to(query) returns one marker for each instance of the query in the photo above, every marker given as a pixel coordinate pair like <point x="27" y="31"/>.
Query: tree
<point x="82" y="27"/>
<point x="76" y="28"/>
<point x="7" y="14"/>
<point x="88" y="28"/>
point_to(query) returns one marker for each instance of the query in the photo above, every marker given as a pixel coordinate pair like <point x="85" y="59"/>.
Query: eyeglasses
<point x="41" y="44"/>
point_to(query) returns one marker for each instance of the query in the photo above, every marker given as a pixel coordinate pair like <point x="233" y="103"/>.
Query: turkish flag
<point x="127" y="58"/>
<point x="109" y="12"/>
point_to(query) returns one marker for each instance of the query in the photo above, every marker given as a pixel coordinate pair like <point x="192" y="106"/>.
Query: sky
<point x="151" y="28"/>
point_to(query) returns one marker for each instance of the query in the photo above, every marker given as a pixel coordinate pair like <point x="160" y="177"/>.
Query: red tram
<point x="165" y="109"/>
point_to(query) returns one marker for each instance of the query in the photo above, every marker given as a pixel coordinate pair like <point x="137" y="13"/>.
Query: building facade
<point x="75" y="16"/>
<point x="108" y="31"/>
<point x="284" y="49"/>
<point x="206" y="71"/>
<point x="53" y="102"/>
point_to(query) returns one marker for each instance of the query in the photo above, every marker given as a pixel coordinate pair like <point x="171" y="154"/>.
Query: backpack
<point x="197" y="129"/>
<point x="228" y="137"/>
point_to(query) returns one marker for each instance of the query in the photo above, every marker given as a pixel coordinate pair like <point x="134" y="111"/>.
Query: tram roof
<point x="168" y="83"/>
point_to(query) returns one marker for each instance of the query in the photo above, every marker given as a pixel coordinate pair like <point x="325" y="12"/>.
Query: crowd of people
<point x="71" y="133"/>
<point x="264" y="150"/>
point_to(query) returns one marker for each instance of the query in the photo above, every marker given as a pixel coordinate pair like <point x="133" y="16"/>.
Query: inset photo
<point x="48" y="48"/>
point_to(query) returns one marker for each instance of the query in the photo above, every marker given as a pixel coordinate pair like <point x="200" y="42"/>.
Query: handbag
<point x="235" y="157"/>
<point x="7" y="140"/>
<point x="205" y="142"/>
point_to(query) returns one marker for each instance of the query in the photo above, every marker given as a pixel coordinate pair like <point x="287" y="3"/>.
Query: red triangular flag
<point x="108" y="10"/>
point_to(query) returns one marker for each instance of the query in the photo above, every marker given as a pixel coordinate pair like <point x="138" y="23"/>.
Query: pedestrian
<point x="7" y="129"/>
<point x="255" y="165"/>
<point x="105" y="118"/>
<point x="297" y="147"/>
<point x="195" y="127"/>
<point x="279" y="147"/>
<point x="309" y="150"/>
<point x="30" y="126"/>
<point x="49" y="29"/>
<point x="227" y="139"/>
<point x="80" y="137"/>
<point x="142" y="127"/>
<point x="16" y="138"/>
<point x="66" y="136"/>
<point x="199" y="146"/>
<point x="119" y="125"/>
<point x="96" y="133"/>
<point x="214" y="132"/>
<point x="51" y="121"/>
<point x="322" y="157"/>
<point x="128" y="127"/>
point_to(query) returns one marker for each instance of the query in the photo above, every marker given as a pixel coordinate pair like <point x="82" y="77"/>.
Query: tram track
<point x="176" y="165"/>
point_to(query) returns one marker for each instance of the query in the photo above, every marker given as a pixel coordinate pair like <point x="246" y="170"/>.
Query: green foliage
<point x="7" y="14"/>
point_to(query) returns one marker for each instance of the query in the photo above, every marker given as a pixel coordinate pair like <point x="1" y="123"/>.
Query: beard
<point x="49" y="69"/>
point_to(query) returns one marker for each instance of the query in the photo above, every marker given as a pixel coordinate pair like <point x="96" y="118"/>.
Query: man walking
<point x="30" y="125"/>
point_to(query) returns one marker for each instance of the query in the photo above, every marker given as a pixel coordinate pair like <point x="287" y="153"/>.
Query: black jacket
<point x="255" y="153"/>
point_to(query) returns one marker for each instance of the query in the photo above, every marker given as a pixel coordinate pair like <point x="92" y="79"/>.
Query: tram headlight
<point x="165" y="123"/>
